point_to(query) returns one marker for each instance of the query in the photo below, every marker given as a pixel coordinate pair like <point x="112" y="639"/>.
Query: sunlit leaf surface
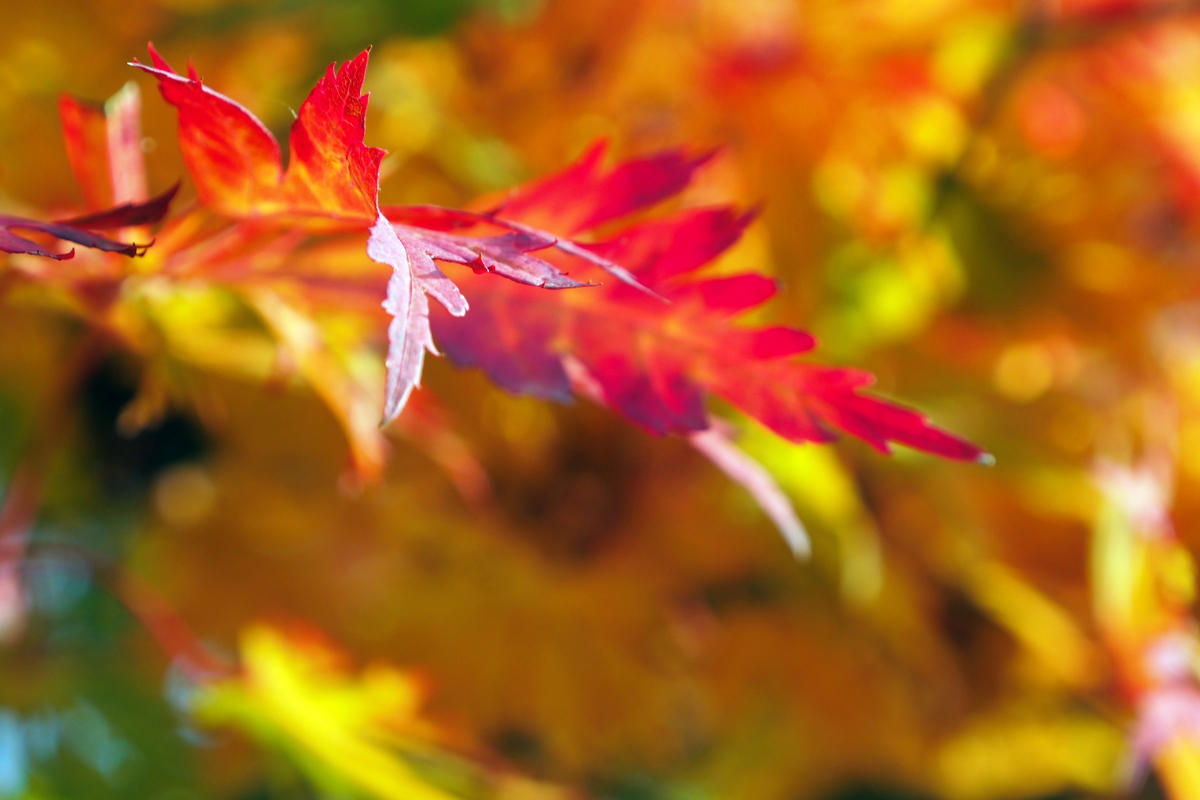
<point x="702" y="261"/>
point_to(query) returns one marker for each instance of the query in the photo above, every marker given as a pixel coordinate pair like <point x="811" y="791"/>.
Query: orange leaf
<point x="236" y="164"/>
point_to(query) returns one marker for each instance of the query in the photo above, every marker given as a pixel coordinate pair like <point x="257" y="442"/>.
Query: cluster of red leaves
<point x="652" y="344"/>
<point x="651" y="360"/>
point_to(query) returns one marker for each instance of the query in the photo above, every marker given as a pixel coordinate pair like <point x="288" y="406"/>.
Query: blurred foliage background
<point x="992" y="204"/>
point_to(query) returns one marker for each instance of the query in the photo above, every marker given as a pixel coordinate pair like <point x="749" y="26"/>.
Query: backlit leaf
<point x="656" y="362"/>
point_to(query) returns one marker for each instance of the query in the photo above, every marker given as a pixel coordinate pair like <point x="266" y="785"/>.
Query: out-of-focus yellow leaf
<point x="1178" y="766"/>
<point x="1030" y="755"/>
<point x="1038" y="623"/>
<point x="347" y="732"/>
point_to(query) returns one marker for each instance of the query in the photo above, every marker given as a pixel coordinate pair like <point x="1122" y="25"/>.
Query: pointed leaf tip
<point x="156" y="59"/>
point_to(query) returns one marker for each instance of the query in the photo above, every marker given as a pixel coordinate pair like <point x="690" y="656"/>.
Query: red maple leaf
<point x="332" y="181"/>
<point x="653" y="345"/>
<point x="656" y="362"/>
<point x="332" y="178"/>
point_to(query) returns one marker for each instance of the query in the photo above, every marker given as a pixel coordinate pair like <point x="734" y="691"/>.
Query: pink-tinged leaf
<point x="748" y="473"/>
<point x="579" y="198"/>
<point x="409" y="336"/>
<point x="236" y="164"/>
<point x="583" y="253"/>
<point x="1166" y="716"/>
<point x="498" y="342"/>
<point x="408" y="332"/>
<point x="80" y="229"/>
<point x="653" y="362"/>
<point x="506" y="255"/>
<point x="582" y="197"/>
<point x="123" y="122"/>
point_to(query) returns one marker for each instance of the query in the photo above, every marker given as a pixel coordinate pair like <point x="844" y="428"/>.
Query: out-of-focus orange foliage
<point x="990" y="205"/>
